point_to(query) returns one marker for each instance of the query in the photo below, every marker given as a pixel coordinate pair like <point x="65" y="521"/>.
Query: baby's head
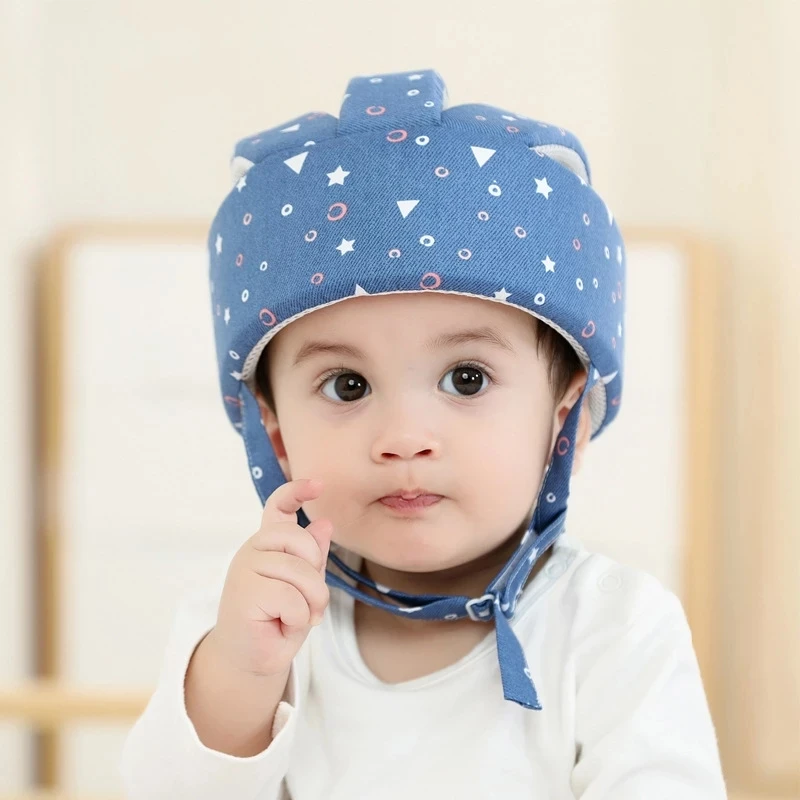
<point x="472" y="280"/>
<point x="458" y="396"/>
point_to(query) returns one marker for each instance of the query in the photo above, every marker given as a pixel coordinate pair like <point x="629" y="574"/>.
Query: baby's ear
<point x="584" y="431"/>
<point x="273" y="431"/>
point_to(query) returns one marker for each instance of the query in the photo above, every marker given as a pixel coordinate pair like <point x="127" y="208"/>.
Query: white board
<point x="156" y="490"/>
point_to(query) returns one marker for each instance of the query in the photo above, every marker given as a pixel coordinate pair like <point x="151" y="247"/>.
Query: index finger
<point x="284" y="503"/>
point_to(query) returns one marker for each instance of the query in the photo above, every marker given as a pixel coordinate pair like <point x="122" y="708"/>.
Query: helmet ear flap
<point x="565" y="156"/>
<point x="240" y="166"/>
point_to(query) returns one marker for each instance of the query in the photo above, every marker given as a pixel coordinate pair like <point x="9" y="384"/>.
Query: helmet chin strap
<point x="499" y="601"/>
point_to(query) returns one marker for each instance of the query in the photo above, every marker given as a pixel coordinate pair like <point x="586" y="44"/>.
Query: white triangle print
<point x="482" y="154"/>
<point x="406" y="206"/>
<point x="295" y="163"/>
<point x="360" y="291"/>
<point x="293" y="128"/>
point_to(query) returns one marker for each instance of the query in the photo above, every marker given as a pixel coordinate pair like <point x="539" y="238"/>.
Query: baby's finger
<point x="288" y="537"/>
<point x="300" y="574"/>
<point x="284" y="503"/>
<point x="278" y="599"/>
<point x="322" y="530"/>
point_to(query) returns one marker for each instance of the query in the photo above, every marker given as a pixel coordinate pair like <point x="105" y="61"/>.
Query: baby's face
<point x="409" y="399"/>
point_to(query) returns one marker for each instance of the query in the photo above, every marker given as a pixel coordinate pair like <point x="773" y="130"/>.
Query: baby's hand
<point x="275" y="587"/>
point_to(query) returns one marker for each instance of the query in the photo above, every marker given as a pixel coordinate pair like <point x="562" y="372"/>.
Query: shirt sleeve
<point x="643" y="726"/>
<point x="163" y="757"/>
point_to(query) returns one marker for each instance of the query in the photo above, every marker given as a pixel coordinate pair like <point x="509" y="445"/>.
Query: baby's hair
<point x="562" y="360"/>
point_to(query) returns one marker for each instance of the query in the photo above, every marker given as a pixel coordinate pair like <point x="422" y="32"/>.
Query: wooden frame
<point x="47" y="704"/>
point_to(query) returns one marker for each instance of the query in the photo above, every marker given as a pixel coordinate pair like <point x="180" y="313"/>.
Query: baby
<point x="419" y="324"/>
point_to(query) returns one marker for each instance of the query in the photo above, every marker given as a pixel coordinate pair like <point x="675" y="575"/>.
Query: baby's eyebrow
<point x="444" y="340"/>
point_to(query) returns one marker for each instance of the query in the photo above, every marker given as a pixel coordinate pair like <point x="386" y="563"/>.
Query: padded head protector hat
<point x="403" y="194"/>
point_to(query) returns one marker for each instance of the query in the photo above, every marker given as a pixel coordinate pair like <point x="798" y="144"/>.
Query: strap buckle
<point x="480" y="616"/>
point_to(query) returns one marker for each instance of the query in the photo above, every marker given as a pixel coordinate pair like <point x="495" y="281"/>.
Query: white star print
<point x="219" y="244"/>
<point x="502" y="295"/>
<point x="236" y="375"/>
<point x="242" y="183"/>
<point x="549" y="266"/>
<point x="337" y="176"/>
<point x="346" y="246"/>
<point x="227" y="316"/>
<point x="543" y="188"/>
<point x="414" y="77"/>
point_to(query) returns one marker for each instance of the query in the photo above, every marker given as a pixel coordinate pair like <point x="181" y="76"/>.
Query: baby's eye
<point x="347" y="386"/>
<point x="466" y="379"/>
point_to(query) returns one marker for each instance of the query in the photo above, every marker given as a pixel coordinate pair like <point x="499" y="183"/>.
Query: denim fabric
<point x="402" y="194"/>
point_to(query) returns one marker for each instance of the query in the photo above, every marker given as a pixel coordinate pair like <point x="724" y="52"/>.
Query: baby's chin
<point x="415" y="548"/>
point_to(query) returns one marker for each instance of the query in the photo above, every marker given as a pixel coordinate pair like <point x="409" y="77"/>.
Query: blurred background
<point x="118" y="120"/>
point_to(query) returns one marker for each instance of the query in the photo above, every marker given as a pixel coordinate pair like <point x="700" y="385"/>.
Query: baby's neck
<point x="370" y="618"/>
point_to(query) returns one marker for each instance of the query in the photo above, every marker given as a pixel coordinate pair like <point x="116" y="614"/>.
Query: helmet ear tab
<point x="240" y="166"/>
<point x="567" y="157"/>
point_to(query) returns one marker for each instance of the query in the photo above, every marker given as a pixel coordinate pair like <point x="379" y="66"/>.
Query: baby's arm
<point x="163" y="755"/>
<point x="216" y="726"/>
<point x="643" y="726"/>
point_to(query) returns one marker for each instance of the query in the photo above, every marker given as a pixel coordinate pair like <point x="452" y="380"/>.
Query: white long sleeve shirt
<point x="624" y="717"/>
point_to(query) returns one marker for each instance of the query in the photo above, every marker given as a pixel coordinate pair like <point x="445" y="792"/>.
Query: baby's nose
<point x="406" y="446"/>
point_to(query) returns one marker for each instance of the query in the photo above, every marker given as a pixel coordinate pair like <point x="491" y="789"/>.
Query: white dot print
<point x="376" y="80"/>
<point x="586" y="219"/>
<point x="263" y="266"/>
<point x="258" y="473"/>
<point x="428" y="104"/>
<point x="608" y="253"/>
<point x="451" y="616"/>
<point x="465" y="254"/>
<point x="413" y="92"/>
<point x="422" y="140"/>
<point x="495" y="190"/>
<point x="539" y="299"/>
<point x="245" y="296"/>
<point x="234" y="355"/>
<point x="427" y="240"/>
<point x="595" y="283"/>
<point x="287" y="209"/>
<point x="579" y="284"/>
<point x="308" y="143"/>
<point x="551" y="498"/>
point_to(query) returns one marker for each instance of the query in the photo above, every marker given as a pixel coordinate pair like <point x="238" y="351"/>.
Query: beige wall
<point x="688" y="110"/>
